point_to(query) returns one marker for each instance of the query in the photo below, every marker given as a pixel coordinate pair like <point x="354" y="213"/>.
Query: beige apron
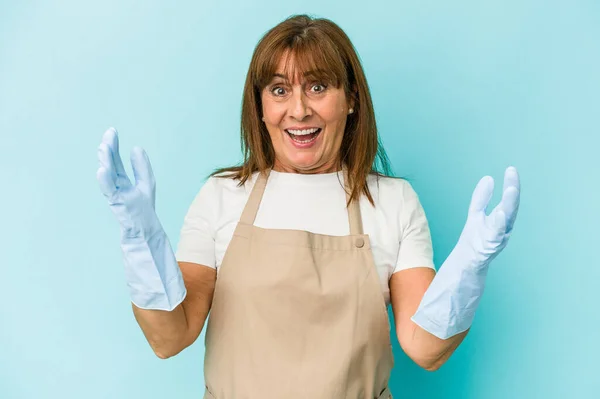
<point x="297" y="315"/>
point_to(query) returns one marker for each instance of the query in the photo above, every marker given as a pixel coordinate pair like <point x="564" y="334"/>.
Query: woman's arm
<point x="407" y="288"/>
<point x="433" y="315"/>
<point x="170" y="332"/>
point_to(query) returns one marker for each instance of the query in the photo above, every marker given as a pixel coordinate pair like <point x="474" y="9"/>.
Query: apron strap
<point x="354" y="216"/>
<point x="251" y="208"/>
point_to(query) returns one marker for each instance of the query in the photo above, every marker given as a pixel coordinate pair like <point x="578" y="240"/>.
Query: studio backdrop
<point x="461" y="90"/>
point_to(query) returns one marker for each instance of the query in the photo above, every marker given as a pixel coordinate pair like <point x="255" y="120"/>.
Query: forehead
<point x="292" y="70"/>
<point x="297" y="63"/>
<point x="288" y="69"/>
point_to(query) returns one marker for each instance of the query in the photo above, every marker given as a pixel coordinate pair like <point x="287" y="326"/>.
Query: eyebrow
<point x="307" y="73"/>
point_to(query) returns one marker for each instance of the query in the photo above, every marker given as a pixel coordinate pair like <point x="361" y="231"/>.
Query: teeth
<point x="302" y="132"/>
<point x="297" y="140"/>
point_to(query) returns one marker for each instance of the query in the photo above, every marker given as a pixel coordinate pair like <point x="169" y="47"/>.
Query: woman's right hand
<point x="152" y="272"/>
<point x="133" y="205"/>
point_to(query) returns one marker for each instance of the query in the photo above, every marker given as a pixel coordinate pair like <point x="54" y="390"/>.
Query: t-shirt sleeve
<point x="416" y="248"/>
<point x="197" y="235"/>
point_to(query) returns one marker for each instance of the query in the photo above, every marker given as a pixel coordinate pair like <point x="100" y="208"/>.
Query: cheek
<point x="335" y="121"/>
<point x="333" y="113"/>
<point x="274" y="133"/>
<point x="272" y="111"/>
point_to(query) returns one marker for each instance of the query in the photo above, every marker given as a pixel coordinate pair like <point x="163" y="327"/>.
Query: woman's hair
<point x="320" y="46"/>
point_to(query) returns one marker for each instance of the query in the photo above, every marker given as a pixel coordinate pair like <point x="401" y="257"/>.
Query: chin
<point x="303" y="161"/>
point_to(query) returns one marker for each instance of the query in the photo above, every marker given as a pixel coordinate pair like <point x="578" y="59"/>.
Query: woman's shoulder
<point x="387" y="183"/>
<point x="222" y="183"/>
<point x="219" y="193"/>
<point x="390" y="189"/>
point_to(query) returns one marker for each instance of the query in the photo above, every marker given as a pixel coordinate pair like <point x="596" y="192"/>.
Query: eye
<point x="320" y="87"/>
<point x="278" y="91"/>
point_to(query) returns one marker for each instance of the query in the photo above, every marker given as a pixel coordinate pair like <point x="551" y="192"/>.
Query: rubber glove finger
<point x="105" y="157"/>
<point x="106" y="180"/>
<point x="496" y="223"/>
<point x="493" y="221"/>
<point x="511" y="178"/>
<point x="142" y="170"/>
<point x="482" y="194"/>
<point x="111" y="138"/>
<point x="511" y="197"/>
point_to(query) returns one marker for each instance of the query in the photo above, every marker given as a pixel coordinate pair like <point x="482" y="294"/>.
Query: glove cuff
<point x="152" y="273"/>
<point x="449" y="304"/>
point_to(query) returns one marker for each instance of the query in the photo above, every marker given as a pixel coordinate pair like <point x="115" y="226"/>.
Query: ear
<point x="351" y="103"/>
<point x="352" y="97"/>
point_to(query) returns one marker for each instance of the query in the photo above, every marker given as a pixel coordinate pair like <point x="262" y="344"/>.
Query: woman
<point x="309" y="237"/>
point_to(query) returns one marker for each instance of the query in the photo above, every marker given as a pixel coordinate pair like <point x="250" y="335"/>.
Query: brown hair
<point x="320" y="46"/>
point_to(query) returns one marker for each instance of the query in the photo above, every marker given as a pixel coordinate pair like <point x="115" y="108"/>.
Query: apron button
<point x="360" y="242"/>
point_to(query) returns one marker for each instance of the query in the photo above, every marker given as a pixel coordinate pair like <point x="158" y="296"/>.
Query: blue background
<point x="461" y="89"/>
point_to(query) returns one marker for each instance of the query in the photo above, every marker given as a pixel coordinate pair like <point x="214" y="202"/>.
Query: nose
<point x="299" y="107"/>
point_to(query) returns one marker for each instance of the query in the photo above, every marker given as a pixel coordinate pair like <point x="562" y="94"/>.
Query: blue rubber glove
<point x="151" y="270"/>
<point x="449" y="304"/>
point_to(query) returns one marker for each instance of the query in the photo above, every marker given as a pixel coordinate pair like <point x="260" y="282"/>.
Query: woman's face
<point x="306" y="121"/>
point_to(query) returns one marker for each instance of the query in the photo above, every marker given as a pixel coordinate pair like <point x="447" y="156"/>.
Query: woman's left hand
<point x="485" y="236"/>
<point x="449" y="304"/>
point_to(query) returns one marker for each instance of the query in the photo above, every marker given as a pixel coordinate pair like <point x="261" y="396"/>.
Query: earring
<point x="351" y="110"/>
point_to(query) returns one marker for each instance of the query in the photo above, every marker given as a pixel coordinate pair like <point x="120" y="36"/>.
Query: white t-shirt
<point x="397" y="226"/>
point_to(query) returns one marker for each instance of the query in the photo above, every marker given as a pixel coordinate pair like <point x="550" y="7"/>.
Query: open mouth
<point x="304" y="136"/>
